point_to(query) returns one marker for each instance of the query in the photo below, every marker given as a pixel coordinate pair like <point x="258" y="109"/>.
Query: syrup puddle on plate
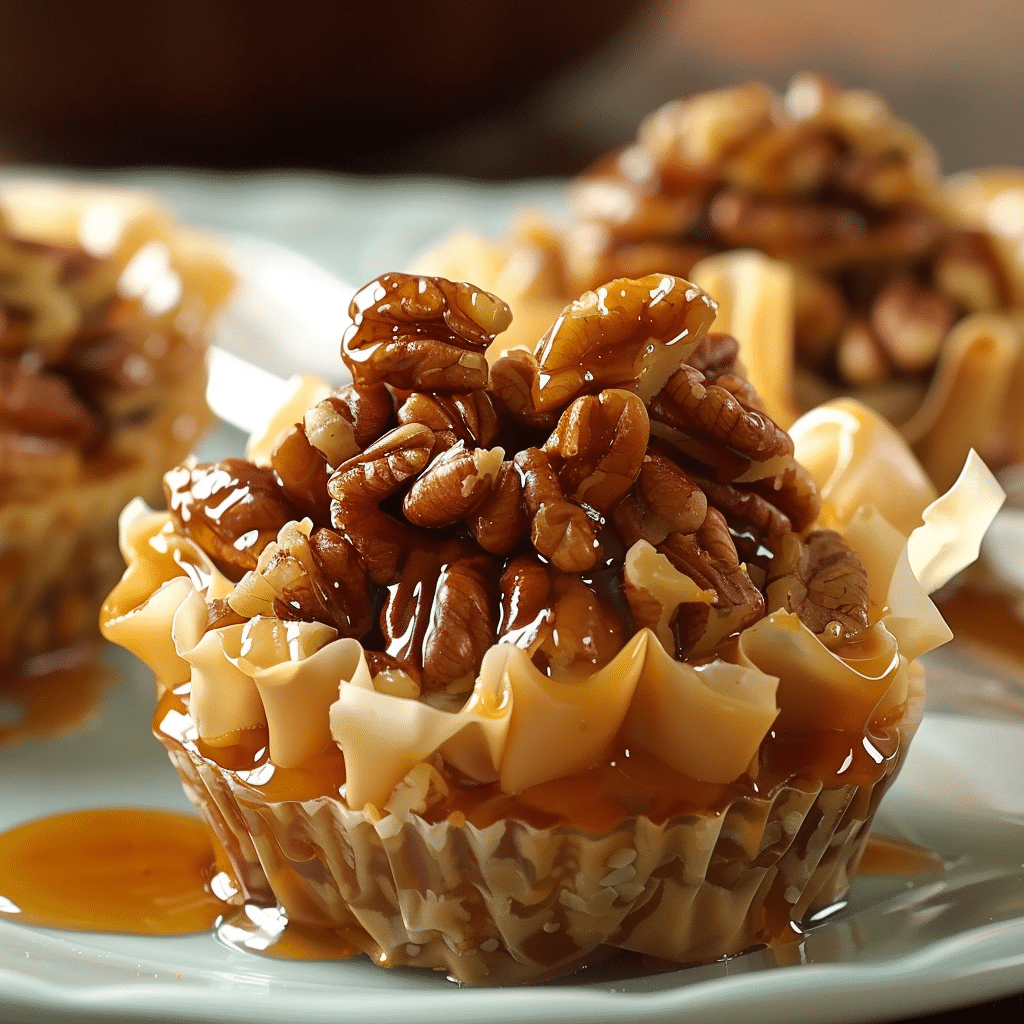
<point x="127" y="870"/>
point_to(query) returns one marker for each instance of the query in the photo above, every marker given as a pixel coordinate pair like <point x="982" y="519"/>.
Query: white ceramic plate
<point x="900" y="946"/>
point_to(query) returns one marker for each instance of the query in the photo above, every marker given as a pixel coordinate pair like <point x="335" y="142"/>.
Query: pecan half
<point x="452" y="486"/>
<point x="231" y="509"/>
<point x="347" y="421"/>
<point x="559" y="529"/>
<point x="709" y="558"/>
<point x="471" y="418"/>
<point x="709" y="423"/>
<point x="314" y="577"/>
<point x="499" y="521"/>
<point x="463" y="625"/>
<point x="627" y="333"/>
<point x="42" y="404"/>
<point x="565" y="624"/>
<point x="303" y="472"/>
<point x="912" y="322"/>
<point x="598" y="446"/>
<point x="359" y="485"/>
<point x="422" y="333"/>
<point x="664" y="499"/>
<point x="822" y="581"/>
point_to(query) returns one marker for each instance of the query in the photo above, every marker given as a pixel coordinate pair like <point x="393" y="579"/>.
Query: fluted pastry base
<point x="511" y="903"/>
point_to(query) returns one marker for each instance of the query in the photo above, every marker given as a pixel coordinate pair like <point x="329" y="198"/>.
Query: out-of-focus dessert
<point x="490" y="668"/>
<point x="104" y="306"/>
<point x="821" y="224"/>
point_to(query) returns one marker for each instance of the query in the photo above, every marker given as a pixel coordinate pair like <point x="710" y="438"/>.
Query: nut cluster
<point x="823" y="178"/>
<point x="78" y="361"/>
<point x="622" y="475"/>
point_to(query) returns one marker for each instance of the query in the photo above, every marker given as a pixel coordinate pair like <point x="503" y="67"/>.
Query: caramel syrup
<point x="898" y="858"/>
<point x="627" y="783"/>
<point x="266" y="931"/>
<point x="56" y="697"/>
<point x="126" y="870"/>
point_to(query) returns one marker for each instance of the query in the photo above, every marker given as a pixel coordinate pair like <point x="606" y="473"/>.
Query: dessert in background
<point x="821" y="224"/>
<point x="492" y="669"/>
<point x="104" y="308"/>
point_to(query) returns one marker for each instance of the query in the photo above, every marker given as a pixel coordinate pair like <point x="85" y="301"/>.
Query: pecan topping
<point x="710" y="424"/>
<point x="822" y="581"/>
<point x="231" y="509"/>
<point x="559" y="529"/>
<point x="422" y="333"/>
<point x="471" y="418"/>
<point x="361" y="484"/>
<point x="429" y="545"/>
<point x="598" y="446"/>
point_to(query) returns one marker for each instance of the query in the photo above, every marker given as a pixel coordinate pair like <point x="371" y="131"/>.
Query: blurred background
<point x="499" y="89"/>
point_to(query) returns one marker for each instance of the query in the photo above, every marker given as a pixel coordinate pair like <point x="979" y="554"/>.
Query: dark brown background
<point x="484" y="88"/>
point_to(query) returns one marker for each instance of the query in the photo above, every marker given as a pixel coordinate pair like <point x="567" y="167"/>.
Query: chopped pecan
<point x="598" y="446"/>
<point x="822" y="581"/>
<point x="819" y="312"/>
<point x="41" y="404"/>
<point x="471" y="418"/>
<point x="422" y="333"/>
<point x="664" y="499"/>
<point x="231" y="509"/>
<point x="968" y="269"/>
<point x="559" y="529"/>
<point x="712" y="425"/>
<point x="859" y="358"/>
<point x="359" y="485"/>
